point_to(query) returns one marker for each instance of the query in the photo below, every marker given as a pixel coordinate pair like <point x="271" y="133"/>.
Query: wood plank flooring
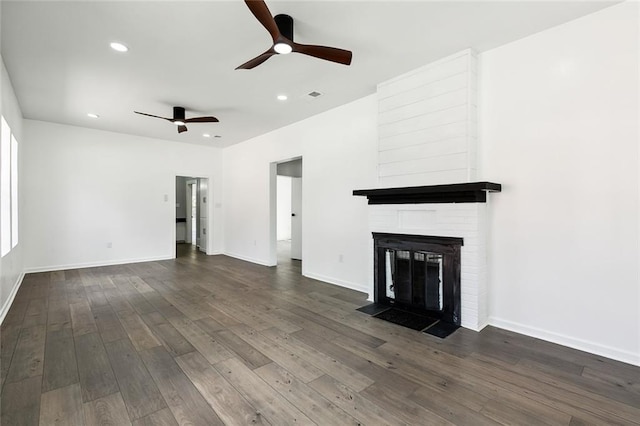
<point x="208" y="340"/>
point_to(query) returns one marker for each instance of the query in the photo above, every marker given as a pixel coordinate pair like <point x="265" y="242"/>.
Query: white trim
<point x="338" y="282"/>
<point x="96" y="264"/>
<point x="210" y="209"/>
<point x="7" y="304"/>
<point x="249" y="259"/>
<point x="482" y="325"/>
<point x="572" y="342"/>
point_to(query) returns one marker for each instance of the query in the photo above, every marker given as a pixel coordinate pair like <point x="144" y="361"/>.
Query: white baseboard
<point x="572" y="342"/>
<point x="482" y="325"/>
<point x="51" y="268"/>
<point x="7" y="303"/>
<point x="248" y="259"/>
<point x="338" y="282"/>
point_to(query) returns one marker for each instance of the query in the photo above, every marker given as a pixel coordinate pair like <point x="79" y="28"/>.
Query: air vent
<point x="315" y="94"/>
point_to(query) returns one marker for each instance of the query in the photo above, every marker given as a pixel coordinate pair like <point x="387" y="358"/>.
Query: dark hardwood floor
<point x="208" y="340"/>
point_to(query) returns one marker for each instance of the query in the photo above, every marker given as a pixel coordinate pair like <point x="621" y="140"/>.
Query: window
<point x="8" y="189"/>
<point x="14" y="192"/>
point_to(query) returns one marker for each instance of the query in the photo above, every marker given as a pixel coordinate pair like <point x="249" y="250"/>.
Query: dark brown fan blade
<point x="150" y="115"/>
<point x="262" y="14"/>
<point x="332" y="54"/>
<point x="257" y="60"/>
<point x="201" y="120"/>
<point x="182" y="129"/>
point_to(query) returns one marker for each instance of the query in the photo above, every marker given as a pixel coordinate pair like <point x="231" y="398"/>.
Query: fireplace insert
<point x="418" y="274"/>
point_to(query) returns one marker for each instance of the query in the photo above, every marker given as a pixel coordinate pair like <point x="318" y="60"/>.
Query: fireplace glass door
<point x="418" y="273"/>
<point x="414" y="278"/>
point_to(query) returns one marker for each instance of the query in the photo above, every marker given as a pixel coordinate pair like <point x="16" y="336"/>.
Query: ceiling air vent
<point x="315" y="94"/>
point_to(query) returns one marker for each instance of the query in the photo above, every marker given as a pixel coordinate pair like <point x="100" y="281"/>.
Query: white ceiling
<point x="184" y="53"/>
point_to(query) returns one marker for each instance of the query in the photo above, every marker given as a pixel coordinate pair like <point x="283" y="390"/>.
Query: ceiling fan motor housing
<point x="285" y="25"/>
<point x="178" y="113"/>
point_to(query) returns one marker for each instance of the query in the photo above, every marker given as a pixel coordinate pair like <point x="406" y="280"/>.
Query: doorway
<point x="288" y="191"/>
<point x="192" y="213"/>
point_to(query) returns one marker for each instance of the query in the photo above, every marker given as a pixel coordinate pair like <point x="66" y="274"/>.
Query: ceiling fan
<point x="281" y="29"/>
<point x="180" y="120"/>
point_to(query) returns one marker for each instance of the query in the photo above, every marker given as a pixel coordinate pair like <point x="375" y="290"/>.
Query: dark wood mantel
<point x="472" y="192"/>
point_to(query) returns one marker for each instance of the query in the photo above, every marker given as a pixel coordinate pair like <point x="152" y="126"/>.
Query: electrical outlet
<point x="255" y="242"/>
<point x="340" y="258"/>
<point x="166" y="197"/>
<point x="109" y="245"/>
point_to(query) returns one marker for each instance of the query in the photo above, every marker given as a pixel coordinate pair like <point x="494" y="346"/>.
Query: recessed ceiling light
<point x="206" y="135"/>
<point x="92" y="115"/>
<point x="119" y="47"/>
<point x="282" y="97"/>
<point x="217" y="136"/>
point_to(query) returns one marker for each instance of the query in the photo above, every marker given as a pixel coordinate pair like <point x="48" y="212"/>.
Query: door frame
<point x="273" y="209"/>
<point x="210" y="211"/>
<point x="189" y="192"/>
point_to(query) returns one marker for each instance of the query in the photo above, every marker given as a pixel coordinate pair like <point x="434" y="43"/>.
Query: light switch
<point x="166" y="197"/>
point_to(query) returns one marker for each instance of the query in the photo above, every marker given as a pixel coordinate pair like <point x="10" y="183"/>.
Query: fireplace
<point x="418" y="274"/>
<point x="428" y="224"/>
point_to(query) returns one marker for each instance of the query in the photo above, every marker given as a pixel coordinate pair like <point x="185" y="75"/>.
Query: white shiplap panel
<point x="425" y="106"/>
<point x="433" y="178"/>
<point x="430" y="73"/>
<point x="437" y="118"/>
<point x="424" y="150"/>
<point x="422" y="165"/>
<point x="433" y="134"/>
<point x="429" y="90"/>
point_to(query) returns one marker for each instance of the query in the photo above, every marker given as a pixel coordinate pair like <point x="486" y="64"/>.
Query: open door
<point x="191" y="203"/>
<point x="296" y="218"/>
<point x="203" y="185"/>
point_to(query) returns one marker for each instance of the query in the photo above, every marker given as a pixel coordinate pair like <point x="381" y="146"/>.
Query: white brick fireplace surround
<point x="464" y="220"/>
<point x="428" y="136"/>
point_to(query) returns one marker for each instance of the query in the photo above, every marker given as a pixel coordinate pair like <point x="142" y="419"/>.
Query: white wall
<point x="84" y="188"/>
<point x="560" y="132"/>
<point x="339" y="151"/>
<point x="11" y="265"/>
<point x="284" y="207"/>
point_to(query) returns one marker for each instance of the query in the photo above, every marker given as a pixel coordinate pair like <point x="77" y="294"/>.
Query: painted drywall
<point x="559" y="129"/>
<point x="284" y="207"/>
<point x="339" y="150"/>
<point x="87" y="188"/>
<point x="11" y="265"/>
